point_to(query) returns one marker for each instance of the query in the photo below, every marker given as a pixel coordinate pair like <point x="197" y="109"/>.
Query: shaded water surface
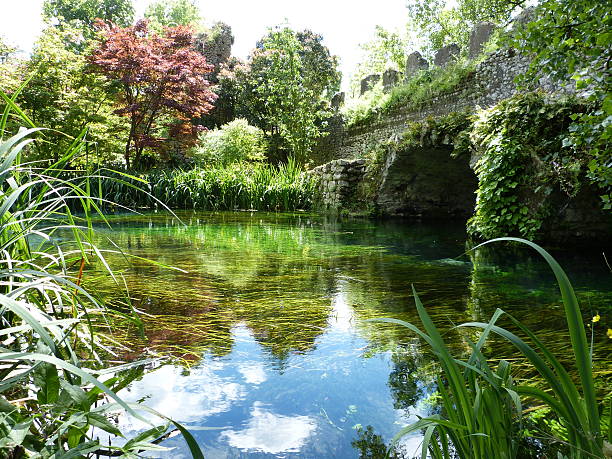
<point x="266" y="323"/>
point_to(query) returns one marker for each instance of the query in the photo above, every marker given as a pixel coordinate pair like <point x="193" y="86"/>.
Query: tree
<point x="319" y="67"/>
<point x="171" y="13"/>
<point x="83" y="13"/>
<point x="64" y="96"/>
<point x="438" y="24"/>
<point x="159" y="75"/>
<point x="284" y="89"/>
<point x="570" y="41"/>
<point x="387" y="50"/>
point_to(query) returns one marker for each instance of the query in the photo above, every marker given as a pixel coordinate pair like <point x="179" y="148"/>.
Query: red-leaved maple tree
<point x="159" y="75"/>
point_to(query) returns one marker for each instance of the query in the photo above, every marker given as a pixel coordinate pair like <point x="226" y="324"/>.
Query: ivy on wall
<point x="523" y="160"/>
<point x="525" y="165"/>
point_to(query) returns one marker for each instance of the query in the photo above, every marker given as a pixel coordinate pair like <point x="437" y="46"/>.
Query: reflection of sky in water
<point x="278" y="303"/>
<point x="307" y="407"/>
<point x="271" y="433"/>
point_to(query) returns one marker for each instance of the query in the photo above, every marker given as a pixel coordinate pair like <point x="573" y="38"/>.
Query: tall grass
<point x="237" y="186"/>
<point x="482" y="406"/>
<point x="56" y="391"/>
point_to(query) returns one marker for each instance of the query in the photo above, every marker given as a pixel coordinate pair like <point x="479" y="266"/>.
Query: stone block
<point x="338" y="100"/>
<point x="447" y="54"/>
<point x="480" y="35"/>
<point x="414" y="63"/>
<point x="368" y="83"/>
<point x="390" y="78"/>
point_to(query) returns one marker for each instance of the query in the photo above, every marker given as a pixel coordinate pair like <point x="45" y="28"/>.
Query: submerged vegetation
<point x="156" y="114"/>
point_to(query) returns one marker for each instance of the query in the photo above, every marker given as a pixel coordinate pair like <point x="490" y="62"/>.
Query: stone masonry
<point x="338" y="181"/>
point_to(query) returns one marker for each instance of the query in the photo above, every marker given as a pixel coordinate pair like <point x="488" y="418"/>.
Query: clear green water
<point x="266" y="324"/>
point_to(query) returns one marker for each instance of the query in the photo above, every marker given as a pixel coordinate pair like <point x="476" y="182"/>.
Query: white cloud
<point x="254" y="373"/>
<point x="271" y="433"/>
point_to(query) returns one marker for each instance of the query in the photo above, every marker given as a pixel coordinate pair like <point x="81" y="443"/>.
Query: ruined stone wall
<point x="338" y="182"/>
<point x="491" y="82"/>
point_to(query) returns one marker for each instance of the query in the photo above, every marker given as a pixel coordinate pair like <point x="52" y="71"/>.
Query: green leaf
<point x="47" y="380"/>
<point x="101" y="421"/>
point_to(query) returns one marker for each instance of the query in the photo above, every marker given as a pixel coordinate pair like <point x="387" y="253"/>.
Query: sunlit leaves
<point x="159" y="75"/>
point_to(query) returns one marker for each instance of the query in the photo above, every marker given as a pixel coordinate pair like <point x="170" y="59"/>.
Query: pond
<point x="265" y="324"/>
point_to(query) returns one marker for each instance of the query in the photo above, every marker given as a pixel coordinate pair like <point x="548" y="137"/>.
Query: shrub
<point x="234" y="142"/>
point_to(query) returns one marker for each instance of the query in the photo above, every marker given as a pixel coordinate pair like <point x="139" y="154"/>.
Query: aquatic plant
<point x="237" y="186"/>
<point x="57" y="394"/>
<point x="482" y="407"/>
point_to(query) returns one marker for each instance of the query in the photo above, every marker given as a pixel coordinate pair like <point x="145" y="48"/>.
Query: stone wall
<point x="426" y="182"/>
<point x="491" y="82"/>
<point x="338" y="182"/>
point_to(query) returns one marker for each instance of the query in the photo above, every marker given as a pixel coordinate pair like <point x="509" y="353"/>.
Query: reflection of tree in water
<point x="408" y="380"/>
<point x="262" y="275"/>
<point x="372" y="446"/>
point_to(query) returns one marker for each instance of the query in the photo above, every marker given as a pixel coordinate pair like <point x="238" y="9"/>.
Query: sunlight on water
<point x="269" y="351"/>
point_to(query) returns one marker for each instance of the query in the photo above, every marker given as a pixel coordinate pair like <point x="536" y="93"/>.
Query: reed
<point x="238" y="186"/>
<point x="56" y="392"/>
<point x="482" y="406"/>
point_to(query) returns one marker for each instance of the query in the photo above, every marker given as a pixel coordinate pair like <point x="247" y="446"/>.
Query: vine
<point x="523" y="159"/>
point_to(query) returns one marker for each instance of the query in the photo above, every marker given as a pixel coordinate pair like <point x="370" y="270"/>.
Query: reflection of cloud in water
<point x="183" y="398"/>
<point x="253" y="373"/>
<point x="271" y="433"/>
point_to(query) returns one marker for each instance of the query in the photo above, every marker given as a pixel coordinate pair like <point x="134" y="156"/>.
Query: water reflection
<point x="271" y="317"/>
<point x="289" y="432"/>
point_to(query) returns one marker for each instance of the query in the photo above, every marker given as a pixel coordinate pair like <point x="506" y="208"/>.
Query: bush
<point x="233" y="142"/>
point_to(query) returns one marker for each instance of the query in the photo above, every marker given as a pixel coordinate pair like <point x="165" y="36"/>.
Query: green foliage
<point x="83" y="13"/>
<point x="411" y="95"/>
<point x="438" y="24"/>
<point x="387" y="50"/>
<point x="172" y="13"/>
<point x="481" y="405"/>
<point x="237" y="186"/>
<point x="284" y="89"/>
<point x="64" y="96"/>
<point x="571" y="41"/>
<point x="56" y="396"/>
<point x="522" y="161"/>
<point x="233" y="142"/>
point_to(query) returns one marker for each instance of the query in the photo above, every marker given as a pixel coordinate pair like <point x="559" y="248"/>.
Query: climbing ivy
<point x="522" y="161"/>
<point x="452" y="129"/>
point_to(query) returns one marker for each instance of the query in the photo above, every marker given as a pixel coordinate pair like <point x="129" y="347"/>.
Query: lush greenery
<point x="439" y="23"/>
<point x="411" y="95"/>
<point x="284" y="89"/>
<point x="233" y="142"/>
<point x="524" y="163"/>
<point x="482" y="406"/>
<point x="236" y="186"/>
<point x="159" y="75"/>
<point x="57" y="393"/>
<point x="172" y="13"/>
<point x="571" y="41"/>
<point x="145" y="89"/>
<point x="387" y="50"/>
